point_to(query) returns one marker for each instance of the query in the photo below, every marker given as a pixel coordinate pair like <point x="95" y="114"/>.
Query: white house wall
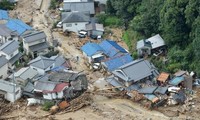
<point x="3" y="71"/>
<point x="10" y="96"/>
<point x="8" y="57"/>
<point x="74" y="27"/>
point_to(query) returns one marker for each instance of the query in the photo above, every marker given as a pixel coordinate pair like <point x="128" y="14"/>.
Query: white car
<point x="59" y="25"/>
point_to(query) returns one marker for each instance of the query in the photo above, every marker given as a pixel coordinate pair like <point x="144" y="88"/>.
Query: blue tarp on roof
<point x="111" y="48"/>
<point x="91" y="48"/>
<point x="4" y="15"/>
<point x="176" y="81"/>
<point x="18" y="25"/>
<point x="116" y="62"/>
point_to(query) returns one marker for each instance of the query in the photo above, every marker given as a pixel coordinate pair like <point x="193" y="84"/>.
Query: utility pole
<point x="14" y="85"/>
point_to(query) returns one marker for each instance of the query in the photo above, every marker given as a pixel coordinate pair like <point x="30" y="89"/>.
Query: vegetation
<point x="47" y="105"/>
<point x="53" y="4"/>
<point x="6" y="5"/>
<point x="177" y="21"/>
<point x="112" y="21"/>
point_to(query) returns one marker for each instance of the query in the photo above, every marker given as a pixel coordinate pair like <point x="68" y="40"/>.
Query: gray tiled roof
<point x="15" y="58"/>
<point x="35" y="36"/>
<point x="41" y="62"/>
<point x="59" y="60"/>
<point x="69" y="17"/>
<point x="9" y="47"/>
<point x="45" y="85"/>
<point x="5" y="31"/>
<point x="3" y="61"/>
<point x="26" y="73"/>
<point x="79" y="6"/>
<point x="136" y="70"/>
<point x="39" y="47"/>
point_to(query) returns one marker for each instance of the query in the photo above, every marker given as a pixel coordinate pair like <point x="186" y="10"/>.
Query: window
<point x="68" y="25"/>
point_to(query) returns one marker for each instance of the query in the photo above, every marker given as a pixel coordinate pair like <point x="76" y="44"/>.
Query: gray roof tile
<point x="136" y="70"/>
<point x="41" y="62"/>
<point x="69" y="17"/>
<point x="3" y="61"/>
<point x="35" y="36"/>
<point x="9" y="47"/>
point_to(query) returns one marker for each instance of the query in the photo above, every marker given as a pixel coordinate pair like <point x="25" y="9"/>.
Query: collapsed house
<point x="153" y="45"/>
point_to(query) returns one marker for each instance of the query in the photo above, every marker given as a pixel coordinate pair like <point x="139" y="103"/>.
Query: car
<point x="93" y="37"/>
<point x="82" y="34"/>
<point x="59" y="25"/>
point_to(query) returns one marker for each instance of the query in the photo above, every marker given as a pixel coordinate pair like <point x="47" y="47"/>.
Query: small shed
<point x="163" y="77"/>
<point x="94" y="29"/>
<point x="143" y="47"/>
<point x="176" y="81"/>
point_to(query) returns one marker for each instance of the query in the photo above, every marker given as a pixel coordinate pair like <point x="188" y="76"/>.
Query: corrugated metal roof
<point x="143" y="43"/>
<point x="9" y="47"/>
<point x="18" y="25"/>
<point x="116" y="62"/>
<point x="70" y="17"/>
<point x="161" y="90"/>
<point x="41" y="62"/>
<point x="156" y="41"/>
<point x="4" y="15"/>
<point x="39" y="47"/>
<point x="163" y="77"/>
<point x="111" y="48"/>
<point x="135" y="70"/>
<point x="176" y="81"/>
<point x="3" y="61"/>
<point x="34" y="36"/>
<point x="91" y="48"/>
<point x="79" y="6"/>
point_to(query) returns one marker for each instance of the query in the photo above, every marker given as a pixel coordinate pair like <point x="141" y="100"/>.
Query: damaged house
<point x="3" y="67"/>
<point x="43" y="64"/>
<point x="153" y="45"/>
<point x="135" y="71"/>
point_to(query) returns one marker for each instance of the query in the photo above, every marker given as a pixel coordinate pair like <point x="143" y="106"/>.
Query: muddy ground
<point x="103" y="105"/>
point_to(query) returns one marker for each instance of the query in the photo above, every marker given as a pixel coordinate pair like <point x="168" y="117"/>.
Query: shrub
<point x="6" y="5"/>
<point x="47" y="105"/>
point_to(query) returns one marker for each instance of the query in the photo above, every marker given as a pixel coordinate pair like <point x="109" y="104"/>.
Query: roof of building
<point x="26" y="73"/>
<point x="143" y="43"/>
<point x="176" y="80"/>
<point x="59" y="60"/>
<point x="180" y="73"/>
<point x="59" y="87"/>
<point x="70" y="17"/>
<point x="34" y="36"/>
<point x="18" y="25"/>
<point x="7" y="86"/>
<point x="148" y="90"/>
<point x="161" y="90"/>
<point x="5" y="31"/>
<point x="151" y="97"/>
<point x="4" y="15"/>
<point x="91" y="48"/>
<point x="118" y="61"/>
<point x="76" y="0"/>
<point x="156" y="41"/>
<point x="15" y="58"/>
<point x="163" y="77"/>
<point x="9" y="47"/>
<point x="39" y="47"/>
<point x="94" y="26"/>
<point x="45" y="85"/>
<point x="136" y="70"/>
<point x="115" y="83"/>
<point x="3" y="61"/>
<point x="63" y="76"/>
<point x="79" y="6"/>
<point x="41" y="62"/>
<point x="111" y="48"/>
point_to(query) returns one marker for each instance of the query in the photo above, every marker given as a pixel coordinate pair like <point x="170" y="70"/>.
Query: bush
<point x="53" y="4"/>
<point x="109" y="20"/>
<point x="47" y="105"/>
<point x="6" y="5"/>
